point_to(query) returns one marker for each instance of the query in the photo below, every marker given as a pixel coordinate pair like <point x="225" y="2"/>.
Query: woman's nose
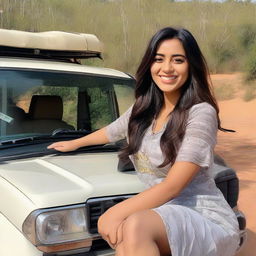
<point x="167" y="67"/>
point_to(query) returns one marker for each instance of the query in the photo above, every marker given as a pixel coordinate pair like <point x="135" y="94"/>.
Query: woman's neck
<point x="170" y="100"/>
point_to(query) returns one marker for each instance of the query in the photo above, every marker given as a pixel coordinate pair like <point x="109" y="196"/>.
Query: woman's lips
<point x="168" y="79"/>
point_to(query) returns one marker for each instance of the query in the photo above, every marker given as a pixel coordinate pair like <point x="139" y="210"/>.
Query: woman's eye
<point x="178" y="60"/>
<point x="158" y="60"/>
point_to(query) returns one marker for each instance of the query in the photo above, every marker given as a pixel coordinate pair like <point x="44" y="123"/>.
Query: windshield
<point x="35" y="103"/>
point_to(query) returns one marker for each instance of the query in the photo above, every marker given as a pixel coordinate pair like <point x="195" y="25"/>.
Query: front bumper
<point x="242" y="227"/>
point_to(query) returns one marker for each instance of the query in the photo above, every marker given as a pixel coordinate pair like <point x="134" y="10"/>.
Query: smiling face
<point x="170" y="67"/>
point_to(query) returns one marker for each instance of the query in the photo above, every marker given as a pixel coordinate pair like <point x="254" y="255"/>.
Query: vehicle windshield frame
<point x="129" y="81"/>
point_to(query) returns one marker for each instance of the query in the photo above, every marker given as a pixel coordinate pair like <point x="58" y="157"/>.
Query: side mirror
<point x="127" y="165"/>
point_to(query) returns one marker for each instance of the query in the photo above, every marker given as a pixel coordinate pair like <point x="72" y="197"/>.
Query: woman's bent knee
<point x="145" y="227"/>
<point x="133" y="228"/>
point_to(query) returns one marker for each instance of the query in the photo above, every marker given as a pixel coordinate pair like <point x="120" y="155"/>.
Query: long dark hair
<point x="150" y="100"/>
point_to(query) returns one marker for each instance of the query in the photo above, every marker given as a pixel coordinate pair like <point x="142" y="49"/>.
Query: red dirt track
<point x="239" y="151"/>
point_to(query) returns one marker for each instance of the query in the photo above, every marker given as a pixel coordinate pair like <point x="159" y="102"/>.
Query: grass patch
<point x="250" y="91"/>
<point x="224" y="92"/>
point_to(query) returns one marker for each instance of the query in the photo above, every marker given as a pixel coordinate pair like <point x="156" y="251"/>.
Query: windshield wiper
<point x="34" y="151"/>
<point x="64" y="132"/>
<point x="56" y="135"/>
<point x="22" y="140"/>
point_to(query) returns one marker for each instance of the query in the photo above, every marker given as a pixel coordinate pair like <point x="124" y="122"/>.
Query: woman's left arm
<point x="179" y="176"/>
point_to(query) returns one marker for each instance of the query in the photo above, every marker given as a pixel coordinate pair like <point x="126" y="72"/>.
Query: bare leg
<point x="144" y="234"/>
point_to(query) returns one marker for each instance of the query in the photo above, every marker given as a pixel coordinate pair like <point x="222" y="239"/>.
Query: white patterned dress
<point x="199" y="221"/>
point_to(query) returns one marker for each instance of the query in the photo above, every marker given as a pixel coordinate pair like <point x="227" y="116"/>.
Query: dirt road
<point x="239" y="151"/>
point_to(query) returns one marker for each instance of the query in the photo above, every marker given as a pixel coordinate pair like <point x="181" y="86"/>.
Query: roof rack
<point x="50" y="44"/>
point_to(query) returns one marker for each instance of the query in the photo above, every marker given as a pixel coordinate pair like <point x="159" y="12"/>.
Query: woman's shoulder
<point x="202" y="112"/>
<point x="202" y="108"/>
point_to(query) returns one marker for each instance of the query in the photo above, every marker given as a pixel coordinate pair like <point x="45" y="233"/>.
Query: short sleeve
<point x="200" y="136"/>
<point x="118" y="129"/>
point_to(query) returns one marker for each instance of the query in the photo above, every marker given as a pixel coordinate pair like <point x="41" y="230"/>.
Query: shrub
<point x="221" y="54"/>
<point x="247" y="35"/>
<point x="224" y="92"/>
<point x="250" y="91"/>
<point x="251" y="63"/>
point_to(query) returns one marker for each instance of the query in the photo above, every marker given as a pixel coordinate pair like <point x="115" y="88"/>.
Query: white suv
<point x="50" y="201"/>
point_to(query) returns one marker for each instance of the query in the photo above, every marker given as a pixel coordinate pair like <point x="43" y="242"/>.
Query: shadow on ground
<point x="238" y="154"/>
<point x="249" y="249"/>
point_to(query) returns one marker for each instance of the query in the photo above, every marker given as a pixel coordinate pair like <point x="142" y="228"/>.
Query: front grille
<point x="99" y="244"/>
<point x="95" y="207"/>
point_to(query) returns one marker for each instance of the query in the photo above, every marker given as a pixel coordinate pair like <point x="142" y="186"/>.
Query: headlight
<point x="63" y="225"/>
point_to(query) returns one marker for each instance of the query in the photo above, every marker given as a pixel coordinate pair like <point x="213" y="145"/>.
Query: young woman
<point x="171" y="131"/>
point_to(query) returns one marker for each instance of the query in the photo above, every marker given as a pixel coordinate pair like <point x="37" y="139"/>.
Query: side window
<point x="100" y="107"/>
<point x="124" y="96"/>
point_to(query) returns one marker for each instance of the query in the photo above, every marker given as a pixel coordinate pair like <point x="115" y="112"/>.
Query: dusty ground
<point x="239" y="150"/>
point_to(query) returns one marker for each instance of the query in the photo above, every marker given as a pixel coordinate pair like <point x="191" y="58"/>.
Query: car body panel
<point x="30" y="64"/>
<point x="13" y="242"/>
<point x="53" y="181"/>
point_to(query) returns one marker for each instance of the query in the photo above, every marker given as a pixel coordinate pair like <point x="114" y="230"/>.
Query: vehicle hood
<point x="69" y="179"/>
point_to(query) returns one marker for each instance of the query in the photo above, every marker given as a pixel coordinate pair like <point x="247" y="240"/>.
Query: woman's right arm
<point x="115" y="131"/>
<point x="95" y="138"/>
